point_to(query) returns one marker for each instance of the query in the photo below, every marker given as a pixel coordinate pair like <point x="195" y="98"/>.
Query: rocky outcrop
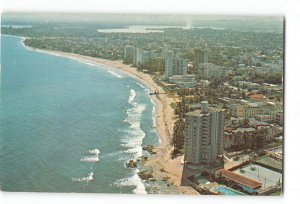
<point x="144" y="175"/>
<point x="131" y="164"/>
<point x="150" y="149"/>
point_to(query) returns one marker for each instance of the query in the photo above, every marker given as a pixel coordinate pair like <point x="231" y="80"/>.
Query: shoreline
<point x="163" y="166"/>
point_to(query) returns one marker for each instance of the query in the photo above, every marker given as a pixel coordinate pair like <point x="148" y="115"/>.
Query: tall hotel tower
<point x="201" y="56"/>
<point x="200" y="59"/>
<point x="175" y="65"/>
<point x="204" y="135"/>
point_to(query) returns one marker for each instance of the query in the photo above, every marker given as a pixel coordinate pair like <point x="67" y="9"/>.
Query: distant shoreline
<point x="164" y="116"/>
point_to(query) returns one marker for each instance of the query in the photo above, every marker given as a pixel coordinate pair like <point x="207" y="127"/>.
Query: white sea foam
<point x="131" y="96"/>
<point x="142" y="86"/>
<point x="137" y="151"/>
<point x="86" y="62"/>
<point x="132" y="180"/>
<point x="134" y="135"/>
<point x="153" y="116"/>
<point x="90" y="159"/>
<point x="94" y="151"/>
<point x="153" y="112"/>
<point x="89" y="178"/>
<point x="115" y="74"/>
<point x="132" y="141"/>
<point x="93" y="157"/>
<point x="147" y="91"/>
<point x="119" y="155"/>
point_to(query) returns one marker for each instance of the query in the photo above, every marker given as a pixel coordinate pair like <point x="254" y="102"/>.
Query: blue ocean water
<point x="54" y="110"/>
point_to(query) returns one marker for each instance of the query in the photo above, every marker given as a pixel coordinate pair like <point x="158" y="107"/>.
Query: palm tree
<point x="179" y="127"/>
<point x="178" y="136"/>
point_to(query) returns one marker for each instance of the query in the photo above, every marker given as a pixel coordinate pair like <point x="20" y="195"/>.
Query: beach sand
<point x="163" y="166"/>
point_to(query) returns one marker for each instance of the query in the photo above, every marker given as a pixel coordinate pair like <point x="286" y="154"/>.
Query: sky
<point x="153" y="6"/>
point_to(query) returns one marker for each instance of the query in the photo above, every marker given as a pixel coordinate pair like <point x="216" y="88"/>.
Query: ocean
<point x="68" y="127"/>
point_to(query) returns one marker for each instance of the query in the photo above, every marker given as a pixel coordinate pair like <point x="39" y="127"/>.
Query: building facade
<point x="183" y="81"/>
<point x="204" y="135"/>
<point x="175" y="65"/>
<point x="210" y="71"/>
<point x="169" y="63"/>
<point x="201" y="56"/>
<point x="136" y="52"/>
<point x="128" y="53"/>
<point x="243" y="138"/>
<point x="262" y="111"/>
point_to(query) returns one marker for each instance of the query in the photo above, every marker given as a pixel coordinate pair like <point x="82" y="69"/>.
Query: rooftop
<point x="250" y="183"/>
<point x="270" y="162"/>
<point x="191" y="76"/>
<point x="257" y="96"/>
<point x="266" y="176"/>
<point x="198" y="112"/>
<point x="252" y="104"/>
<point x="195" y="113"/>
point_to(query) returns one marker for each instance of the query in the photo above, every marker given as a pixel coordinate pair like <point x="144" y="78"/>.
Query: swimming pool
<point x="227" y="191"/>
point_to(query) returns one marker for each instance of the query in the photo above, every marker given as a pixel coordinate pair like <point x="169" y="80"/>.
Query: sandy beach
<point x="163" y="166"/>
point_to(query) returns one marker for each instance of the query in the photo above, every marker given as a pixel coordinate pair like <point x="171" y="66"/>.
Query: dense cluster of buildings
<point x="262" y="111"/>
<point x="231" y="146"/>
<point x="206" y="137"/>
<point x="254" y="119"/>
<point x="253" y="135"/>
<point x="138" y="56"/>
<point x="175" y="65"/>
<point x="227" y="144"/>
<point x="208" y="142"/>
<point x="204" y="69"/>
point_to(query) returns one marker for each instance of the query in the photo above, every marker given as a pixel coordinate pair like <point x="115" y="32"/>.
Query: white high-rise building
<point x="137" y="56"/>
<point x="134" y="57"/>
<point x="200" y="59"/>
<point x="169" y="63"/>
<point x="201" y="56"/>
<point x="204" y="135"/>
<point x="145" y="56"/>
<point x="140" y="56"/>
<point x="128" y="53"/>
<point x="175" y="65"/>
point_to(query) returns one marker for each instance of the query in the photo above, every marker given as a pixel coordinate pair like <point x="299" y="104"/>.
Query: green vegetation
<point x="179" y="128"/>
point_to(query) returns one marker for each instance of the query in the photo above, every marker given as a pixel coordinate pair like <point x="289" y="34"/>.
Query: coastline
<point x="163" y="166"/>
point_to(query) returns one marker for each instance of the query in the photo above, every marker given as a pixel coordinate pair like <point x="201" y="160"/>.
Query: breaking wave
<point x="119" y="156"/>
<point x="132" y="142"/>
<point x="134" y="135"/>
<point x="90" y="159"/>
<point x="115" y="74"/>
<point x="94" y="151"/>
<point x="142" y="86"/>
<point x="134" y="181"/>
<point x="94" y="157"/>
<point x="89" y="178"/>
<point x="131" y="96"/>
<point x="88" y="63"/>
